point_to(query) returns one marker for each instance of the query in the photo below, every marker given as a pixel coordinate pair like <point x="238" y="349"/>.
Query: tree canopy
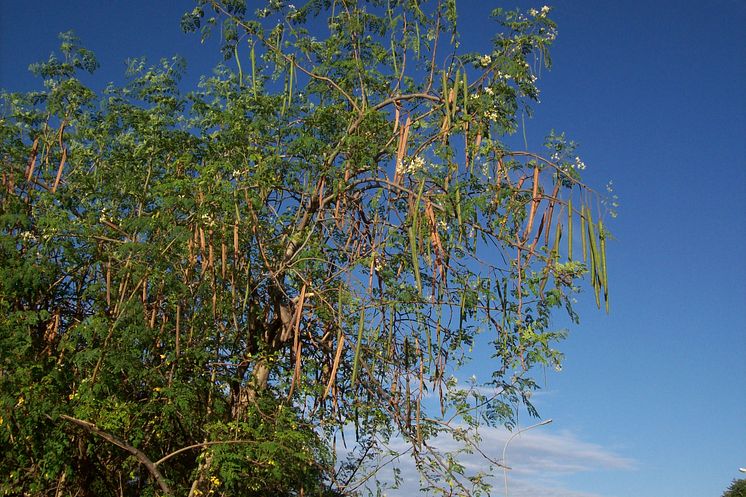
<point x="737" y="488"/>
<point x="254" y="287"/>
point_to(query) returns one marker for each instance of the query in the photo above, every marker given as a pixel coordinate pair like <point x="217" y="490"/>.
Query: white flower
<point x="417" y="164"/>
<point x="378" y="262"/>
<point x="485" y="60"/>
<point x="545" y="10"/>
<point x="489" y="91"/>
<point x="579" y="164"/>
<point x="412" y="166"/>
<point x="492" y="115"/>
<point x="533" y="12"/>
<point x="208" y="220"/>
<point x="28" y="236"/>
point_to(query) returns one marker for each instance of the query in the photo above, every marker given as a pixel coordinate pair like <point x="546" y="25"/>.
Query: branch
<point x="145" y="460"/>
<point x="290" y="60"/>
<point x="197" y="446"/>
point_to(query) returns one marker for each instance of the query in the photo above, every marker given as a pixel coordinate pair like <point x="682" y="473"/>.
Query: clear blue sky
<point x="652" y="398"/>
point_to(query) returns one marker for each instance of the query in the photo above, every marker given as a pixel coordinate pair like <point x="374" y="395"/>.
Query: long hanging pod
<point x="238" y="63"/>
<point x="458" y="212"/>
<point x="252" y="55"/>
<point x="595" y="261"/>
<point x="413" y="230"/>
<point x="290" y="85"/>
<point x="447" y="107"/>
<point x="583" y="234"/>
<point x="284" y="98"/>
<point x="569" y="229"/>
<point x="393" y="55"/>
<point x="462" y="309"/>
<point x="453" y="94"/>
<point x="557" y="238"/>
<point x="358" y="346"/>
<point x="288" y="97"/>
<point x="416" y="45"/>
<point x="602" y="256"/>
<point x="604" y="275"/>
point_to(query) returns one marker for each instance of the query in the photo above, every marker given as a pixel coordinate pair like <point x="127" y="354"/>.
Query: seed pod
<point x="415" y="257"/>
<point x="569" y="229"/>
<point x="557" y="238"/>
<point x="602" y="239"/>
<point x="358" y="346"/>
<point x="595" y="262"/>
<point x="445" y="93"/>
<point x="583" y="233"/>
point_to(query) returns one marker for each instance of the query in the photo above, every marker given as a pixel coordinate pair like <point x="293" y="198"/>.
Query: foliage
<point x="737" y="488"/>
<point x="202" y="294"/>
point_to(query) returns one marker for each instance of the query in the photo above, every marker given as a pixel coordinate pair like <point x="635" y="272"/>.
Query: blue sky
<point x="652" y="398"/>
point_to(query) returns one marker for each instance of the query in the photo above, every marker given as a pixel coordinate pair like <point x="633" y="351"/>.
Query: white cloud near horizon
<point x="539" y="460"/>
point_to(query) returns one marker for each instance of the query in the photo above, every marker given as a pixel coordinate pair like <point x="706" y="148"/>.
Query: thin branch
<point x="198" y="446"/>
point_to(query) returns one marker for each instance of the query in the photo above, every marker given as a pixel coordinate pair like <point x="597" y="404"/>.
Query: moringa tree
<point x="737" y="488"/>
<point x="255" y="287"/>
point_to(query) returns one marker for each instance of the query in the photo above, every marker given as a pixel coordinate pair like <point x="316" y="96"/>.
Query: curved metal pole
<point x="505" y="448"/>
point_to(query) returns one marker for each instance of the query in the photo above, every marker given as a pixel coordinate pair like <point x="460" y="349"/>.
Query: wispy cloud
<point x="539" y="459"/>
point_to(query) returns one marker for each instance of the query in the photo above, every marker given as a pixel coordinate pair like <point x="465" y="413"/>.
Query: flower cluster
<point x="502" y="75"/>
<point x="611" y="203"/>
<point x="577" y="164"/>
<point x="540" y="13"/>
<point x="379" y="265"/>
<point x="412" y="165"/>
<point x="492" y="115"/>
<point x="105" y="216"/>
<point x="485" y="60"/>
<point x="208" y="220"/>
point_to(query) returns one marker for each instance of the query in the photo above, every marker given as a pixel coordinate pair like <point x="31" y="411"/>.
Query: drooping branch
<point x="140" y="455"/>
